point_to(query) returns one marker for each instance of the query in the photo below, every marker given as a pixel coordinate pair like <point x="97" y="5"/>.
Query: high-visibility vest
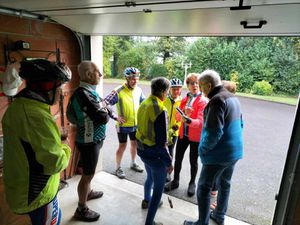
<point x="128" y="104"/>
<point x="147" y="114"/>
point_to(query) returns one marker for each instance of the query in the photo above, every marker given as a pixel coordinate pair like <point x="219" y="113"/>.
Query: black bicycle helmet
<point x="131" y="72"/>
<point x="42" y="70"/>
<point x="175" y="82"/>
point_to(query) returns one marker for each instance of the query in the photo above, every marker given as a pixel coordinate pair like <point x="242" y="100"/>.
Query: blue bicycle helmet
<point x="175" y="82"/>
<point x="131" y="72"/>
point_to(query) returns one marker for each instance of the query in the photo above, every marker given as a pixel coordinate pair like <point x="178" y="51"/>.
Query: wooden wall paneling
<point x="44" y="38"/>
<point x="3" y="41"/>
<point x="50" y="30"/>
<point x="42" y="43"/>
<point x="14" y="25"/>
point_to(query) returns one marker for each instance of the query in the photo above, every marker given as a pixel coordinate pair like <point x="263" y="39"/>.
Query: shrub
<point x="157" y="70"/>
<point x="244" y="82"/>
<point x="262" y="88"/>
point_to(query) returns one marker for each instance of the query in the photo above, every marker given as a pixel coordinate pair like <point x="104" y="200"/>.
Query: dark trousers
<point x="171" y="147"/>
<point x="181" y="147"/>
<point x="209" y="174"/>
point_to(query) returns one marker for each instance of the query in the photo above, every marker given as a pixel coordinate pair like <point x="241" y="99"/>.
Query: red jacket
<point x="195" y="127"/>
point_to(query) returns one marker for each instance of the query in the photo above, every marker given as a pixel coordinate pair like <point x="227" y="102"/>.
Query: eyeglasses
<point x="193" y="83"/>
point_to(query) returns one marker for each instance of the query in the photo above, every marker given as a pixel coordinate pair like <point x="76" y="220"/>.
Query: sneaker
<point x="94" y="195"/>
<point x="120" y="173"/>
<point x="86" y="215"/>
<point x="215" y="219"/>
<point x="171" y="185"/>
<point x="191" y="189"/>
<point x="145" y="204"/>
<point x="136" y="168"/>
<point x="186" y="222"/>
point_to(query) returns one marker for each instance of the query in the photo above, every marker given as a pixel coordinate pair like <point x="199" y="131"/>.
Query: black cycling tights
<point x="181" y="147"/>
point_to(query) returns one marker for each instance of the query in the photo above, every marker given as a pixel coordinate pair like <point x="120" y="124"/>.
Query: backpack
<point x="71" y="114"/>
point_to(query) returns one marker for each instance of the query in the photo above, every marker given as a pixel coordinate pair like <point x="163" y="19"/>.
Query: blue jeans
<point x="156" y="177"/>
<point x="208" y="176"/>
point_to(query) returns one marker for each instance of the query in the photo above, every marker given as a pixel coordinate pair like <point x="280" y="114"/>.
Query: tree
<point x="273" y="59"/>
<point x="141" y="56"/>
<point x="287" y="65"/>
<point x="252" y="59"/>
<point x="114" y="46"/>
<point x="168" y="47"/>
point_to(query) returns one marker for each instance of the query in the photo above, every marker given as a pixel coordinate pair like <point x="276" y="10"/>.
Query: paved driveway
<point x="257" y="177"/>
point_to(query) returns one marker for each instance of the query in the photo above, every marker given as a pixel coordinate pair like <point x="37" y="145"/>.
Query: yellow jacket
<point x="149" y="110"/>
<point x="34" y="155"/>
<point x="171" y="105"/>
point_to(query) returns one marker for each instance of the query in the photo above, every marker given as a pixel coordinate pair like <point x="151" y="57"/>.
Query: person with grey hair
<point x="152" y="133"/>
<point x="231" y="87"/>
<point x="90" y="116"/>
<point x="221" y="146"/>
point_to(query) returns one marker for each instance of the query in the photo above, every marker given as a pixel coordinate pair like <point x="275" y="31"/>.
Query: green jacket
<point x="33" y="156"/>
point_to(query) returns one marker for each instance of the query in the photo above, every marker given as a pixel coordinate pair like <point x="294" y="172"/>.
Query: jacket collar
<point x="87" y="86"/>
<point x="215" y="91"/>
<point x="195" y="95"/>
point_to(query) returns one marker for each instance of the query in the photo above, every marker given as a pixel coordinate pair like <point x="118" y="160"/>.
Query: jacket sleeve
<point x="93" y="107"/>
<point x="198" y="120"/>
<point x="112" y="114"/>
<point x="142" y="97"/>
<point x="112" y="98"/>
<point x="46" y="143"/>
<point x="161" y="138"/>
<point x="214" y="124"/>
<point x="181" y="106"/>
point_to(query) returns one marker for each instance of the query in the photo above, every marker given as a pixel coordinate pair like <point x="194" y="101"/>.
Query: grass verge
<point x="280" y="99"/>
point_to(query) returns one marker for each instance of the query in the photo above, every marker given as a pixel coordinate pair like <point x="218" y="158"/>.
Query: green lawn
<point x="280" y="99"/>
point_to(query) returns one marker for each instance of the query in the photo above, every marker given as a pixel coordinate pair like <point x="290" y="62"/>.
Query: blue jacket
<point x="221" y="139"/>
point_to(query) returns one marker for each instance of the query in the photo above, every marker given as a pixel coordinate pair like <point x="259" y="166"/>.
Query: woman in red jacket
<point x="190" y="132"/>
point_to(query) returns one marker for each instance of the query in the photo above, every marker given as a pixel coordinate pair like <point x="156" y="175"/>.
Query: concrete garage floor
<point x="121" y="204"/>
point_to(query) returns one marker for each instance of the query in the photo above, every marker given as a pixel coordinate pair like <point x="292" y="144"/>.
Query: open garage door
<point x="184" y="18"/>
<point x="163" y="17"/>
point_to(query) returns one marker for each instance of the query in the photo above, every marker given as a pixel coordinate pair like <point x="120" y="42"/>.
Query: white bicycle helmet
<point x="175" y="82"/>
<point x="131" y="72"/>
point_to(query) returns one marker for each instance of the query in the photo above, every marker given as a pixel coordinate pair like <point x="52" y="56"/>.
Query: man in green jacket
<point x="34" y="154"/>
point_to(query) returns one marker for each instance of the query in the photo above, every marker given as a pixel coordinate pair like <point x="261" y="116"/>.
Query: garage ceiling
<point x="162" y="17"/>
